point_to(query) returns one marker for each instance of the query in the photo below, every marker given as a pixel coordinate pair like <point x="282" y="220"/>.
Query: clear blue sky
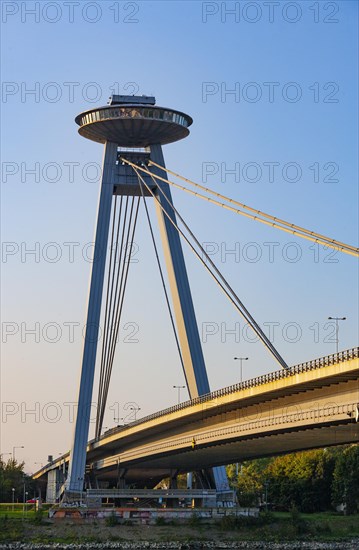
<point x="189" y="55"/>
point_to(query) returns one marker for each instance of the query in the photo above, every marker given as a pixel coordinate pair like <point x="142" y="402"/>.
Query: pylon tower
<point x="135" y="128"/>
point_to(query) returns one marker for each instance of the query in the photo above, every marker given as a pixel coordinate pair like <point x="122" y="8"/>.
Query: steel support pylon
<point x="119" y="179"/>
<point x="76" y="474"/>
<point x="187" y="328"/>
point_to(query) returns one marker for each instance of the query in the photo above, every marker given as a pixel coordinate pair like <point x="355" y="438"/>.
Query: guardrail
<point x="152" y="493"/>
<point x="328" y="360"/>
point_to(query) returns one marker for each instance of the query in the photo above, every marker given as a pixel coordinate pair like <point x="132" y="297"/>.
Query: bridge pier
<point x="173" y="503"/>
<point x="173" y="479"/>
<point x="121" y="481"/>
<point x="55" y="480"/>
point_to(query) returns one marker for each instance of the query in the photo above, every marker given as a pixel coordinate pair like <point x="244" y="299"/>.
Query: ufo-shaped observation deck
<point x="133" y="121"/>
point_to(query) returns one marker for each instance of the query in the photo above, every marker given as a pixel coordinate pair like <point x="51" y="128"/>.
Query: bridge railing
<point x="328" y="360"/>
<point x="155" y="493"/>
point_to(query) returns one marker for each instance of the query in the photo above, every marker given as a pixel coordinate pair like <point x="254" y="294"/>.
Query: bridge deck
<point x="309" y="405"/>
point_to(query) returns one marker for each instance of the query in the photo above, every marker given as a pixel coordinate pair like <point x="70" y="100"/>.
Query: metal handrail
<point x="155" y="492"/>
<point x="254" y="382"/>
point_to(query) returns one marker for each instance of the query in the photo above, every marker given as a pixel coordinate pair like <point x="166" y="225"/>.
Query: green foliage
<point x="160" y="521"/>
<point x="227" y="523"/>
<point x="302" y="479"/>
<point x="12" y="476"/>
<point x="231" y="522"/>
<point x="111" y="520"/>
<point x="345" y="489"/>
<point x="194" y="520"/>
<point x="10" y="530"/>
<point x="249" y="482"/>
<point x="294" y="514"/>
<point x="312" y="481"/>
<point x="38" y="518"/>
<point x="267" y="517"/>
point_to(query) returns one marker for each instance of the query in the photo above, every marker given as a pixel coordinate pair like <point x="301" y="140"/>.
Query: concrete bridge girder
<point x="302" y="411"/>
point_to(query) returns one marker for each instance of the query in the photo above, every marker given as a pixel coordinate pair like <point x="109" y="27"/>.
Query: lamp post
<point x="14" y="449"/>
<point x="241" y="359"/>
<point x="13" y="497"/>
<point x="337" y="319"/>
<point x="179" y="388"/>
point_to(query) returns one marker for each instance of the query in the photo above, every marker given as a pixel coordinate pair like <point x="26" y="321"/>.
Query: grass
<point x="19" y="511"/>
<point x="271" y="527"/>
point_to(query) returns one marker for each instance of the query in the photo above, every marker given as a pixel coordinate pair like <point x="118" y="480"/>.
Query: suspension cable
<point x="113" y="300"/>
<point x="227" y="291"/>
<point x="259" y="212"/>
<point x="120" y="273"/>
<point x="163" y="282"/>
<point x="124" y="278"/>
<point x="244" y="311"/>
<point x="121" y="277"/>
<point x="106" y="310"/>
<point x="330" y="243"/>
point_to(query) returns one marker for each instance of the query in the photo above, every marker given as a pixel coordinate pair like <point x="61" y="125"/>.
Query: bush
<point x="194" y="520"/>
<point x="38" y="517"/>
<point x="267" y="517"/>
<point x="228" y="523"/>
<point x="111" y="520"/>
<point x="231" y="522"/>
<point x="294" y="514"/>
<point x="301" y="527"/>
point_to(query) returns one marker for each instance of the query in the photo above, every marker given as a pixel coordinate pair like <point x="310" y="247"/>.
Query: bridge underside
<point x="149" y="472"/>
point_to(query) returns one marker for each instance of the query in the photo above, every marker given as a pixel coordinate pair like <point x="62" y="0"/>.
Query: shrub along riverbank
<point x="272" y="527"/>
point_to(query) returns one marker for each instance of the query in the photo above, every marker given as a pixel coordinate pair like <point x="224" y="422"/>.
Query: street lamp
<point x="14" y="449"/>
<point x="13" y="497"/>
<point x="337" y="319"/>
<point x="179" y="388"/>
<point x="241" y="359"/>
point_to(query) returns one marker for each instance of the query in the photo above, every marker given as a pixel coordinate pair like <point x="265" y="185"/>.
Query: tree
<point x="303" y="479"/>
<point x="312" y="481"/>
<point x="249" y="481"/>
<point x="345" y="487"/>
<point x="12" y="476"/>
